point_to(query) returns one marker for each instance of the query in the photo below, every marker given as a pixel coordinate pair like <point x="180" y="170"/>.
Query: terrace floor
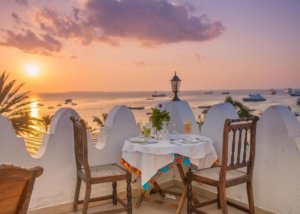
<point x="151" y="207"/>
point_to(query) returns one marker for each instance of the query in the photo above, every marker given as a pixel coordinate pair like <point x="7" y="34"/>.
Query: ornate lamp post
<point x="175" y="83"/>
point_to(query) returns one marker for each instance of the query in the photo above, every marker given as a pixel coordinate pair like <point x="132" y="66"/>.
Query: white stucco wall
<point x="180" y="112"/>
<point x="276" y="175"/>
<point x="56" y="156"/>
<point x="277" y="164"/>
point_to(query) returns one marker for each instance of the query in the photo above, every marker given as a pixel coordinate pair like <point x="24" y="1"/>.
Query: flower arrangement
<point x="158" y="117"/>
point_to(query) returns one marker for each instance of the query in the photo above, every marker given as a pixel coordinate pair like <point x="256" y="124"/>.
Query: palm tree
<point x="242" y="110"/>
<point x="15" y="106"/>
<point x="100" y="121"/>
<point x="46" y="120"/>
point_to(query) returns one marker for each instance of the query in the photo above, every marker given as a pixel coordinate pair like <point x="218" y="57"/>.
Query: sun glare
<point x="32" y="70"/>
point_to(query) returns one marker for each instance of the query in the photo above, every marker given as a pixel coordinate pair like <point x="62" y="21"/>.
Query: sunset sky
<point x="136" y="45"/>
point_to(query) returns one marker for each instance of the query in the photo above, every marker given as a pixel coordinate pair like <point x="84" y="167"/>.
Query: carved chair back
<point x="16" y="186"/>
<point x="80" y="146"/>
<point x="239" y="139"/>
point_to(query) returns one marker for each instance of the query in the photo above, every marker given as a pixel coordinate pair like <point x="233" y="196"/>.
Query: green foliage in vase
<point x="158" y="117"/>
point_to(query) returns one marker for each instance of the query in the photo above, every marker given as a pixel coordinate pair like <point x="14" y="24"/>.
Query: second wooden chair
<point x="242" y="133"/>
<point x="96" y="174"/>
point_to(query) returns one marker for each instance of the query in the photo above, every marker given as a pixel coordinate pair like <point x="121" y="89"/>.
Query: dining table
<point x="151" y="157"/>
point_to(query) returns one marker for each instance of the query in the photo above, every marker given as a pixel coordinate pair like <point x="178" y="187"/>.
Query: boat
<point x="254" y="98"/>
<point x="273" y="92"/>
<point x="50" y="107"/>
<point x="208" y="92"/>
<point x="296" y="114"/>
<point x="40" y="104"/>
<point x="156" y="94"/>
<point x="298" y="101"/>
<point x="288" y="90"/>
<point x="136" y="107"/>
<point x="225" y="92"/>
<point x="59" y="105"/>
<point x="74" y="104"/>
<point x="204" y="106"/>
<point x="149" y="98"/>
<point x="295" y="93"/>
<point x="67" y="101"/>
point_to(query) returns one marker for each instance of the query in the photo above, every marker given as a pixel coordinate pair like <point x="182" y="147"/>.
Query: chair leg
<point x="250" y="198"/>
<point x="222" y="198"/>
<point x="129" y="196"/>
<point x="189" y="193"/>
<point x="86" y="198"/>
<point x="219" y="203"/>
<point x="114" y="193"/>
<point x="77" y="191"/>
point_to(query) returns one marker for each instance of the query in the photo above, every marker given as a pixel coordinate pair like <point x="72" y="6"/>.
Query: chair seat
<point x="213" y="173"/>
<point x="107" y="170"/>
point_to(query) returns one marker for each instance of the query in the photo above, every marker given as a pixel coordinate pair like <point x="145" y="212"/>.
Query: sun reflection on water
<point x="34" y="110"/>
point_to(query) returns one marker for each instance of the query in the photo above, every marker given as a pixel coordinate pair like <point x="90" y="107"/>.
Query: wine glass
<point x="187" y="128"/>
<point x="147" y="131"/>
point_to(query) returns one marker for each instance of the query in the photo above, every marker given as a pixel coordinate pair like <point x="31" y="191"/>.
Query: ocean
<point x="89" y="104"/>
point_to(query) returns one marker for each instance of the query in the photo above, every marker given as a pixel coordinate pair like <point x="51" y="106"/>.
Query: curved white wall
<point x="276" y="175"/>
<point x="214" y="123"/>
<point x="56" y="156"/>
<point x="180" y="112"/>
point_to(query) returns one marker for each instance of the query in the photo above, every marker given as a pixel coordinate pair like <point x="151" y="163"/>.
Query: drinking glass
<point x="147" y="131"/>
<point x="187" y="128"/>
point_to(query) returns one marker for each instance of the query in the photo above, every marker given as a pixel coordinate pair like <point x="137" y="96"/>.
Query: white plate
<point x="142" y="140"/>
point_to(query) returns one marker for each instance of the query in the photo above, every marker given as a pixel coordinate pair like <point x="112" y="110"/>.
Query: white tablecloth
<point x="150" y="158"/>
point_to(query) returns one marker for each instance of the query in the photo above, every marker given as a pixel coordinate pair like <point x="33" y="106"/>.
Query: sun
<point x="32" y="70"/>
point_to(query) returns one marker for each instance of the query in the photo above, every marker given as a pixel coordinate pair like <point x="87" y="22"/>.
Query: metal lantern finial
<point x="175" y="83"/>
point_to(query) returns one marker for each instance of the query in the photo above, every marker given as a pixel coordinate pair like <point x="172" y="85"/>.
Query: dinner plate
<point x="142" y="140"/>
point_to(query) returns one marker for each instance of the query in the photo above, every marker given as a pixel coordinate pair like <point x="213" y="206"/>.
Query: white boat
<point x="254" y="98"/>
<point x="298" y="101"/>
<point x="158" y="94"/>
<point x="295" y="93"/>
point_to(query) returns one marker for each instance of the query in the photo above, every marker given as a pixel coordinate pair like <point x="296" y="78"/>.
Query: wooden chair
<point x="242" y="133"/>
<point x="96" y="174"/>
<point x="16" y="185"/>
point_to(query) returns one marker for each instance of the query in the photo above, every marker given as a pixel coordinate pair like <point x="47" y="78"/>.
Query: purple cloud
<point x="22" y="2"/>
<point x="150" y="21"/>
<point x="29" y="42"/>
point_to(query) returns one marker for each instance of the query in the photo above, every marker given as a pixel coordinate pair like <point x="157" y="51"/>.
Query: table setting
<point x="157" y="151"/>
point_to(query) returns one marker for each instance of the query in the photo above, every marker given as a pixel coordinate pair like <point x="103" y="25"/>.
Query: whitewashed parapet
<point x="119" y="125"/>
<point x="276" y="171"/>
<point x="277" y="165"/>
<point x="57" y="183"/>
<point x="180" y="112"/>
<point x="214" y="123"/>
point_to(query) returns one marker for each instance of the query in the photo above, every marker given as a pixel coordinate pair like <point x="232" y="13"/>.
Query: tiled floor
<point x="155" y="208"/>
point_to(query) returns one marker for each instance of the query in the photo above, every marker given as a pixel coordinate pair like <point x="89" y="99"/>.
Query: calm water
<point x="91" y="104"/>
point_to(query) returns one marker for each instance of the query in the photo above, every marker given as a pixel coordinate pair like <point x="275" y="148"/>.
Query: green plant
<point x="158" y="117"/>
<point x="15" y="106"/>
<point x="242" y="110"/>
<point x="45" y="121"/>
<point x="100" y="121"/>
